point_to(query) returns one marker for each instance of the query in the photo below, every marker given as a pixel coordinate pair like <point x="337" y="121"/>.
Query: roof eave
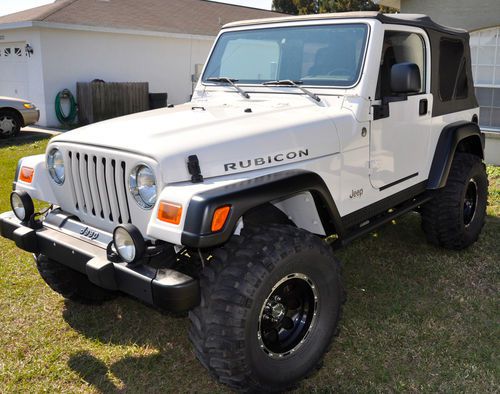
<point x="102" y="29"/>
<point x="16" y="25"/>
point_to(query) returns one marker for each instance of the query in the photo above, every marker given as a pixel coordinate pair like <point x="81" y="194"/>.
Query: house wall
<point x="71" y="56"/>
<point x="477" y="17"/>
<point x="32" y="88"/>
<point x="465" y="14"/>
<point x="492" y="148"/>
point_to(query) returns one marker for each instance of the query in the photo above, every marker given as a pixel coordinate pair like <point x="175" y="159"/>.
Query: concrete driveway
<point x="41" y="130"/>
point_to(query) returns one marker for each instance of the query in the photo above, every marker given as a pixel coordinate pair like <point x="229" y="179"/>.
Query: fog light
<point x="129" y="243"/>
<point x="22" y="205"/>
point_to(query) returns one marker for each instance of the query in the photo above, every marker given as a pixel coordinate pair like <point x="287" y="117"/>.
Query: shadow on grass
<point x="493" y="219"/>
<point x="161" y="356"/>
<point x="399" y="289"/>
<point x="25" y="137"/>
<point x="93" y="371"/>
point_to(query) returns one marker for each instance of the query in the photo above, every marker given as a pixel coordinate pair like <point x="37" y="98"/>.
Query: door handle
<point x="423" y="107"/>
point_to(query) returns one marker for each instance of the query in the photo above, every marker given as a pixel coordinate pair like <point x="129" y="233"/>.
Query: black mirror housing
<point x="405" y="78"/>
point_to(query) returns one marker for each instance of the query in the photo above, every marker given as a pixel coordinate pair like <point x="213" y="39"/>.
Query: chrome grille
<point x="98" y="186"/>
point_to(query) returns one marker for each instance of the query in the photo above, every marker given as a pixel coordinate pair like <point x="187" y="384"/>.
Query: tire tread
<point x="440" y="216"/>
<point x="227" y="289"/>
<point x="71" y="284"/>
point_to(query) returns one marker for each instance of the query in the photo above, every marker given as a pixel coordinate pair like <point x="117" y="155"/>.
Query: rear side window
<point x="453" y="81"/>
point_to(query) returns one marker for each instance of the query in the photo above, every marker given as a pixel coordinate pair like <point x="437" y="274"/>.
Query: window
<point x="18" y="52"/>
<point x="326" y="55"/>
<point x="485" y="53"/>
<point x="400" y="47"/>
<point x="6" y="52"/>
<point x="452" y="70"/>
<point x="240" y="55"/>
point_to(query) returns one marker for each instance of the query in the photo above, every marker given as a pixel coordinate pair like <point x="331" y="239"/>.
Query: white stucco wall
<point x="65" y="55"/>
<point x="492" y="148"/>
<point x="167" y="63"/>
<point x="34" y="75"/>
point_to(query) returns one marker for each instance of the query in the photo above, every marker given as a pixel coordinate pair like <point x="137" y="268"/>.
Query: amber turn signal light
<point x="220" y="217"/>
<point x="170" y="212"/>
<point x="26" y="174"/>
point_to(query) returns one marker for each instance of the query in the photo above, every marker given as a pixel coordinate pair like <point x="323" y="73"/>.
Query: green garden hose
<point x="61" y="116"/>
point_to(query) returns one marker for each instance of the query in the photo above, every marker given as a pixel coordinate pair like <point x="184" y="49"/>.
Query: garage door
<point x="13" y="70"/>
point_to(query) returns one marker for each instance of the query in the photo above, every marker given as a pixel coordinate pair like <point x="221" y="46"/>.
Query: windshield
<point x="326" y="55"/>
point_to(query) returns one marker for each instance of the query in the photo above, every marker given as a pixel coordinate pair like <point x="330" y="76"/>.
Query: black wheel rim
<point x="470" y="202"/>
<point x="287" y="315"/>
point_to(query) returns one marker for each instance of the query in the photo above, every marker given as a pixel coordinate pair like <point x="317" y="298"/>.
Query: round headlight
<point x="129" y="243"/>
<point x="22" y="205"/>
<point x="142" y="183"/>
<point x="55" y="165"/>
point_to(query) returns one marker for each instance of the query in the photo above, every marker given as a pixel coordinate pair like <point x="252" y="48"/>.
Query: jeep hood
<point x="226" y="138"/>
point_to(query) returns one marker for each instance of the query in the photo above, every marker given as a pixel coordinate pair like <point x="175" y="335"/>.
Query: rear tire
<point x="10" y="124"/>
<point x="270" y="306"/>
<point x="71" y="284"/>
<point x="455" y="217"/>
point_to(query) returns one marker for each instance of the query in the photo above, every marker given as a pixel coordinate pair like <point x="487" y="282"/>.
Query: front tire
<point x="271" y="304"/>
<point x="455" y="217"/>
<point x="71" y="284"/>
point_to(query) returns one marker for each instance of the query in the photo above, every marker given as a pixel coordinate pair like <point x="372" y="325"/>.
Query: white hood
<point x="219" y="134"/>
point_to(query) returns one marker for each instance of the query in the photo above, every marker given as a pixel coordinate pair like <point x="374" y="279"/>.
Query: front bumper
<point x="164" y="288"/>
<point x="30" y="116"/>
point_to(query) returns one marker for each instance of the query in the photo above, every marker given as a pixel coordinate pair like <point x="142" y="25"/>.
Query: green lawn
<point x="418" y="318"/>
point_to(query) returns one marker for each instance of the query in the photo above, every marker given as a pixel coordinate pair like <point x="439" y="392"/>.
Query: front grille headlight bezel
<point x="55" y="166"/>
<point x="143" y="186"/>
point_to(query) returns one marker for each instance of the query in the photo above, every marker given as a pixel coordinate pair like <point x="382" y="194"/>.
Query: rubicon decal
<point x="260" y="161"/>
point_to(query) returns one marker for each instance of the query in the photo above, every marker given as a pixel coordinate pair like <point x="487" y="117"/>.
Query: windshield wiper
<point x="231" y="82"/>
<point x="295" y="84"/>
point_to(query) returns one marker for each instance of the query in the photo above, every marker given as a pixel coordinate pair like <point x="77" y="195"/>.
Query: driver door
<point x="401" y="125"/>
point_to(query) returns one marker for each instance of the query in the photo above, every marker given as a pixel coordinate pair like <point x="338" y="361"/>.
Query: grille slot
<point x="98" y="186"/>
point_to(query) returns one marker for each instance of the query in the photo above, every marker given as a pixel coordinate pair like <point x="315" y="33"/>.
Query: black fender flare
<point x="244" y="195"/>
<point x="448" y="142"/>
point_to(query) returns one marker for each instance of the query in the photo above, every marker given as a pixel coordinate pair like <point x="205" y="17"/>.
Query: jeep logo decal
<point x="91" y="234"/>
<point x="356" y="193"/>
<point x="260" y="161"/>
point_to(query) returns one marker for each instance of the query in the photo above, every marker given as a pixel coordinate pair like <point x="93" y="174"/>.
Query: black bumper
<point x="164" y="288"/>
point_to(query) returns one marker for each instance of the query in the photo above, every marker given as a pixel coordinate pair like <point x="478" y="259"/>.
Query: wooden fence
<point x="100" y="101"/>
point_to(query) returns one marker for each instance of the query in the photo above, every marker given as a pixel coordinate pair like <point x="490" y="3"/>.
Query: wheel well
<point x="471" y="144"/>
<point x="299" y="210"/>
<point x="266" y="214"/>
<point x="14" y="112"/>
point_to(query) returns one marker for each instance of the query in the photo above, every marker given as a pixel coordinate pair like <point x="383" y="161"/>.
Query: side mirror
<point x="405" y="78"/>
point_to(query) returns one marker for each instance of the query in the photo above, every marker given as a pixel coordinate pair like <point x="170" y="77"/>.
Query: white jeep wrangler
<point x="303" y="134"/>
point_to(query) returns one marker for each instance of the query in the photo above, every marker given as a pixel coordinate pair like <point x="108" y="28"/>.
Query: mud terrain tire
<point x="455" y="217"/>
<point x="234" y="328"/>
<point x="71" y="284"/>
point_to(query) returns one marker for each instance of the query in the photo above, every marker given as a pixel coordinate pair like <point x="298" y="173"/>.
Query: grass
<point x="418" y="318"/>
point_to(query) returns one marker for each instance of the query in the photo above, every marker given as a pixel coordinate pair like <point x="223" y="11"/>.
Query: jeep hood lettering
<point x="226" y="138"/>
